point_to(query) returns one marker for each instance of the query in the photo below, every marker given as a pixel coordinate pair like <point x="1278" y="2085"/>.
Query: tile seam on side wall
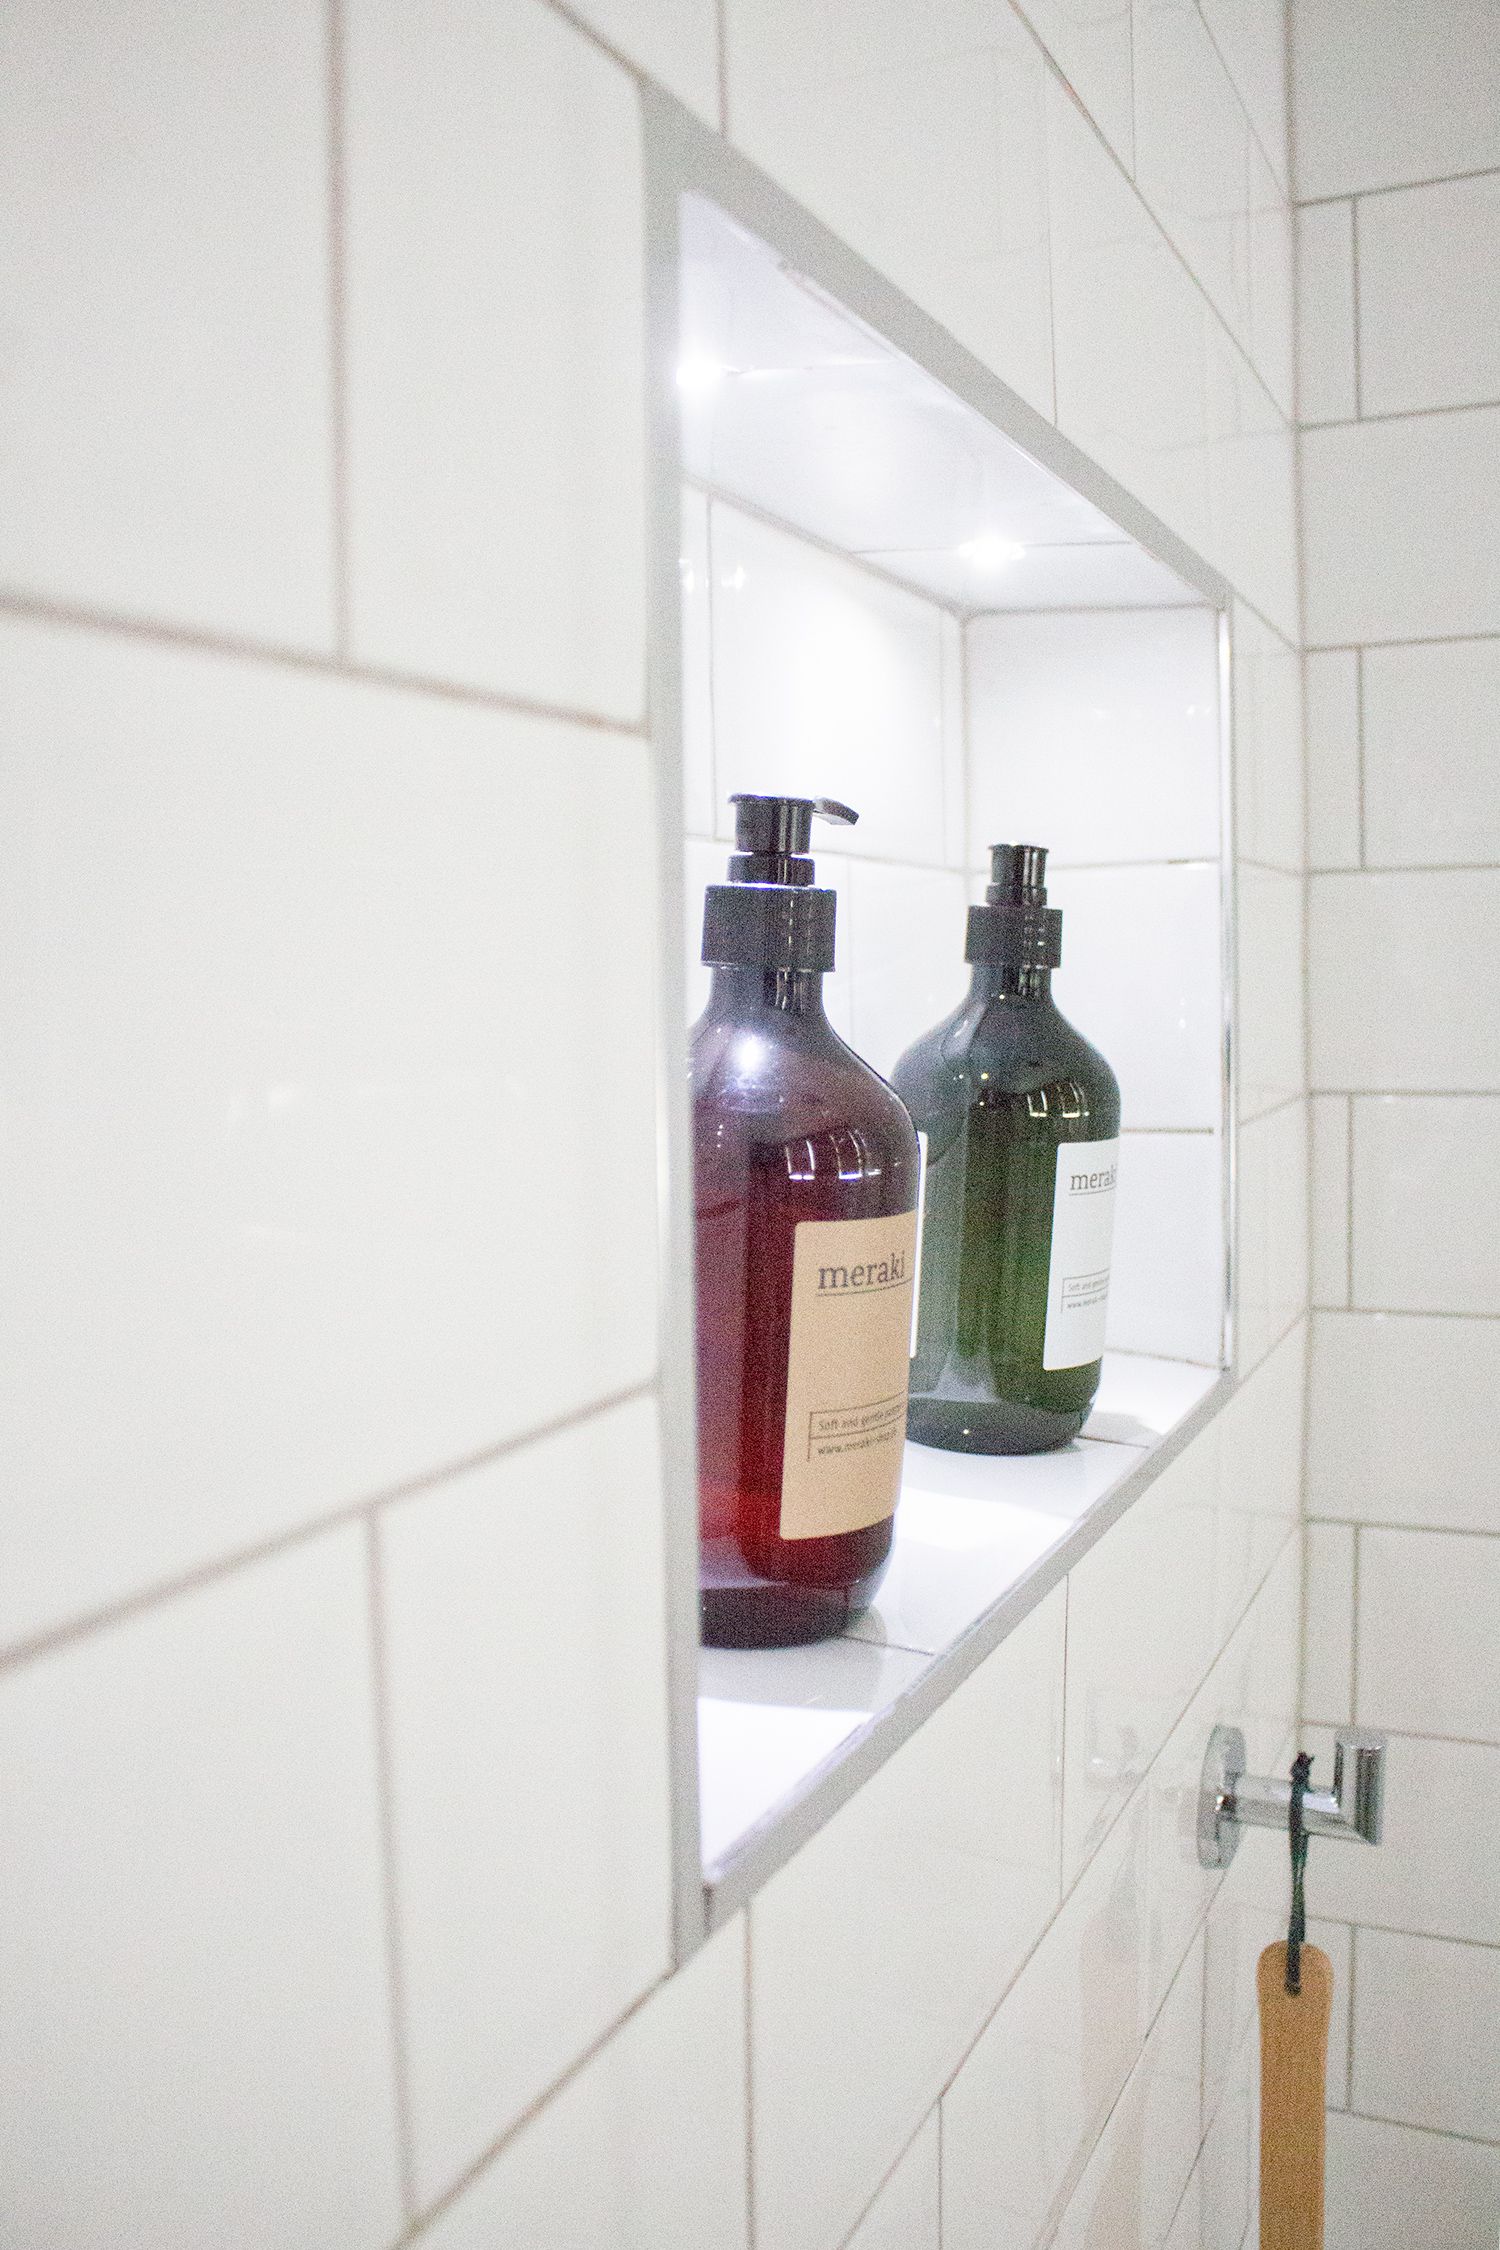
<point x="385" y="1774"/>
<point x="1397" y="187"/>
<point x="1434" y="2132"/>
<point x="26" y="609"/>
<point x="157" y="1595"/>
<point x="1251" y="127"/>
<point x="1402" y="414"/>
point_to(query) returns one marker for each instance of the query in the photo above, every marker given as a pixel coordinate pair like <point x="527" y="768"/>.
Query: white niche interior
<point x="888" y="599"/>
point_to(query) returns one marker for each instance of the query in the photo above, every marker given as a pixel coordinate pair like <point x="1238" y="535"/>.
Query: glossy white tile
<point x="1025" y="2111"/>
<point x="1399" y="1427"/>
<point x="1427" y="1877"/>
<point x="1431" y="790"/>
<point x="1423" y="1241"/>
<point x="1252" y="477"/>
<point x="1397" y="519"/>
<point x="1099" y="732"/>
<point x="1335" y="817"/>
<point x="1378" y="100"/>
<point x="1260" y="1469"/>
<point x="1327" y="381"/>
<point x="917" y="135"/>
<point x="527" y="1722"/>
<point x="1328" y="1146"/>
<point x="827" y="679"/>
<point x="1387" y="2184"/>
<point x="1429" y="270"/>
<point x="1418" y="1591"/>
<point x="1268" y="762"/>
<point x="197" y="2039"/>
<point x="1251" y="35"/>
<point x="1089" y="40"/>
<point x="1141" y="979"/>
<point x="1140" y="1399"/>
<point x="166" y="449"/>
<point x="1192" y="151"/>
<point x="905" y="939"/>
<point x="1272" y="1248"/>
<point x="879" y="1951"/>
<point x="907" y="2213"/>
<point x="1228" y="2168"/>
<point x="1167" y="1277"/>
<point x="1272" y="282"/>
<point x="594" y="2165"/>
<point x="676" y="42"/>
<point x="496" y="422"/>
<point x="261" y="948"/>
<point x="1402" y="936"/>
<point x="699" y="807"/>
<point x="1424" y="2046"/>
<point x="1271" y="1026"/>
<point x="1328" y="1624"/>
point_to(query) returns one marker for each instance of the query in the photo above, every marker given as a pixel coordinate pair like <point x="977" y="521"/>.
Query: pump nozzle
<point x="772" y="836"/>
<point x="1015" y="927"/>
<point x="768" y="914"/>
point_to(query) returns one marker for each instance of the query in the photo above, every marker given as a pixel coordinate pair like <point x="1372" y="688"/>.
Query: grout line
<point x="338" y="339"/>
<point x="1283" y="186"/>
<point x="891" y="2170"/>
<point x="34" y="609"/>
<point x="1359" y="754"/>
<point x="1400" y="187"/>
<point x="1433" y="2132"/>
<point x="1349" y="1201"/>
<point x="1358" y="339"/>
<point x="1403" y="413"/>
<point x="155" y="1596"/>
<point x="1420" y="1531"/>
<point x="386" y="1785"/>
<point x="1400" y="867"/>
<point x="1398" y="640"/>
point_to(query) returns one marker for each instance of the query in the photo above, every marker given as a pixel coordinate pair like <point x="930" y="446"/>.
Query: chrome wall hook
<point x="1231" y="1800"/>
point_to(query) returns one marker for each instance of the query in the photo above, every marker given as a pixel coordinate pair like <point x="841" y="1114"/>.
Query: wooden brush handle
<point x="1293" y="2067"/>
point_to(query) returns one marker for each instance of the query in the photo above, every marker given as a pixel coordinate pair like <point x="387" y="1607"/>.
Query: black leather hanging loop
<point x="1297" y="1927"/>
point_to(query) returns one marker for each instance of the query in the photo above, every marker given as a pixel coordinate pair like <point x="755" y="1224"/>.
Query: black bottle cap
<point x="769" y="915"/>
<point x="1015" y="927"/>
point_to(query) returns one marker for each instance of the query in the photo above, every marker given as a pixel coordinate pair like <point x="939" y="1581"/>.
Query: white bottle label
<point x="1083" y="1219"/>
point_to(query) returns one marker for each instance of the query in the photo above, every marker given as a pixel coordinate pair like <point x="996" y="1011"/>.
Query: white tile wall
<point x="1427" y="1877"/>
<point x="1399" y="1424"/>
<point x="523" y="1602"/>
<point x="1091" y="46"/>
<point x="1271" y="1279"/>
<point x="196" y="2039"/>
<point x="1251" y="37"/>
<point x="878" y="1952"/>
<point x="1386" y="2184"/>
<point x="1429" y="273"/>
<point x="1396" y="527"/>
<point x="1272" y="985"/>
<point x="1197" y="183"/>
<point x="1251" y="486"/>
<point x="676" y="42"/>
<point x="905" y="933"/>
<point x="1272" y="338"/>
<point x="645" y="2147"/>
<point x="279" y="1080"/>
<point x="496" y="446"/>
<point x="1403" y="936"/>
<point x="1425" y="2052"/>
<point x="907" y="2213"/>
<point x="1167" y="1279"/>
<point x="1426" y="1235"/>
<point x="1327" y="377"/>
<point x="1328" y="1624"/>
<point x="1270" y="826"/>
<point x="1153" y="1007"/>
<point x="1432" y="796"/>
<point x="1334" y="782"/>
<point x="1418" y="1593"/>
<point x="699" y="808"/>
<point x="166" y="446"/>
<point x="1260" y="1494"/>
<point x="1379" y="100"/>
<point x="1328" y="1118"/>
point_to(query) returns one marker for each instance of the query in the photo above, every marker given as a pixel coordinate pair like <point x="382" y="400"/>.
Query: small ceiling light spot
<point x="991" y="551"/>
<point x="698" y="374"/>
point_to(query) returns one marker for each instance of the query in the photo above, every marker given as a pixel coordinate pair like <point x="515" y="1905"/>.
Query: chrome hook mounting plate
<point x="1218" y="1830"/>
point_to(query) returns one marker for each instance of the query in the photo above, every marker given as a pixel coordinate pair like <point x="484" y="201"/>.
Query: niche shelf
<point x="882" y="577"/>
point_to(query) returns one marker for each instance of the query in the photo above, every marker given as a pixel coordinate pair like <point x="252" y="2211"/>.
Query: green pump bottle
<point x="1019" y="1119"/>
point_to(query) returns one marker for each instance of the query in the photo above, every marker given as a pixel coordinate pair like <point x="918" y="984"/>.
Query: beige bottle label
<point x="847" y="1367"/>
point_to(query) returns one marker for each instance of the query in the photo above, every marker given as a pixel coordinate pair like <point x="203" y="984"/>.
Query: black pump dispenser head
<point x="1016" y="928"/>
<point x="769" y="915"/>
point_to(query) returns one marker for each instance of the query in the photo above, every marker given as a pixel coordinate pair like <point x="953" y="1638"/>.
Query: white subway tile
<point x="1268" y="763"/>
<point x="1229" y="2168"/>
<point x="1251" y="37"/>
<point x="1141" y="1635"/>
<point x="1192" y="151"/>
<point x="907" y="2214"/>
<point x="1260" y="1495"/>
<point x="1327" y="378"/>
<point x="1429" y="273"/>
<point x="1388" y="2186"/>
<point x="1432" y="787"/>
<point x="1400" y="1424"/>
<point x="1334" y="783"/>
<point x="1252" y="480"/>
<point x="293" y="954"/>
<point x="1272" y="282"/>
<point x="526" y="1682"/>
<point x="1426" y="1234"/>
<point x="1098" y="733"/>
<point x="917" y="134"/>
<point x="1328" y="1624"/>
<point x="1090" y="45"/>
<point x="1425" y="943"/>
<point x="883" y="1946"/>
<point x="166" y="450"/>
<point x="828" y="681"/>
<point x="1271" y="1244"/>
<point x="1187" y="2227"/>
<point x="1328" y="1142"/>
<point x="1271" y="984"/>
<point x="1130" y="331"/>
<point x="1397" y="528"/>
<point x="1425" y="2051"/>
<point x="196" y="2040"/>
<point x="1426" y="1877"/>
<point x="1378" y="99"/>
<point x="1420" y="1591"/>
<point x="1141" y="979"/>
<point x="905" y="938"/>
<point x="595" y="2165"/>
<point x="699" y="807"/>
<point x="1166" y="1291"/>
<point x="496" y="420"/>
<point x="675" y="42"/>
<point x="1025" y="2111"/>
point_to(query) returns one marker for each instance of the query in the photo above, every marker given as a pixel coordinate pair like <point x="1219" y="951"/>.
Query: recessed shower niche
<point x="897" y="586"/>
